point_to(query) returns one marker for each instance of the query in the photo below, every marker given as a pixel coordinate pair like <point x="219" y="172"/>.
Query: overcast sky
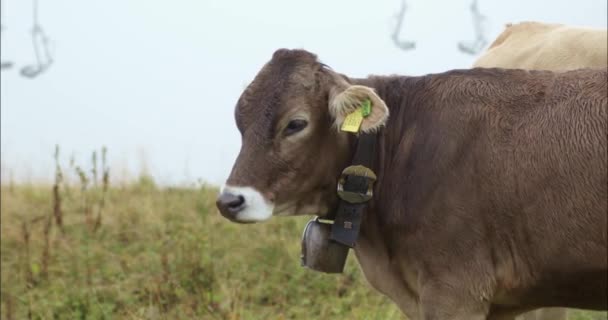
<point x="156" y="81"/>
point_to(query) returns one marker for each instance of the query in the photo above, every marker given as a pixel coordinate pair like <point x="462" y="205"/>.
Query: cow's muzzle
<point x="319" y="252"/>
<point x="243" y="204"/>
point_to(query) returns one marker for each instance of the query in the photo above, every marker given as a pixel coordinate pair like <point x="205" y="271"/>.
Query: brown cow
<point x="491" y="194"/>
<point x="543" y="46"/>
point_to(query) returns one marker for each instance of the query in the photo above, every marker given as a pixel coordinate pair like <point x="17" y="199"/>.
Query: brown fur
<point x="535" y="45"/>
<point x="492" y="194"/>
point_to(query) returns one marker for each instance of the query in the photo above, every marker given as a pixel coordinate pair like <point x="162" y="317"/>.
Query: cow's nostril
<point x="230" y="204"/>
<point x="236" y="203"/>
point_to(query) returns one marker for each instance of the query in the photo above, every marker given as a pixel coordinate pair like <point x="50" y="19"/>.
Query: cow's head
<point x="292" y="151"/>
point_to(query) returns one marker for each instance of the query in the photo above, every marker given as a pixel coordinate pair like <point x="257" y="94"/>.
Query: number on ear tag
<point x="353" y="121"/>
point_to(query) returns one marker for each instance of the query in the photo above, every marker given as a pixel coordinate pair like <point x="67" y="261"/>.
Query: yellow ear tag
<point x="352" y="122"/>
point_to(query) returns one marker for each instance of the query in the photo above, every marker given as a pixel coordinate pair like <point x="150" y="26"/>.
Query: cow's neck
<point x="394" y="140"/>
<point x="385" y="268"/>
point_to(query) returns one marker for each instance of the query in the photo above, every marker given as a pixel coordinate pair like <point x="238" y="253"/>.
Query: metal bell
<point x="319" y="253"/>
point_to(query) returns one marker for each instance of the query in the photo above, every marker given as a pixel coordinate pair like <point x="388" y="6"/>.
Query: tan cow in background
<point x="536" y="45"/>
<point x="542" y="46"/>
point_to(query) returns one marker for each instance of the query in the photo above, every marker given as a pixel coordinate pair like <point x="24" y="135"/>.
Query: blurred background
<point x="117" y="126"/>
<point x="156" y="81"/>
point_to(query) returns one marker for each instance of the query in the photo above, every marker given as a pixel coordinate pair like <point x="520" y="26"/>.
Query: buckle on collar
<point x="356" y="184"/>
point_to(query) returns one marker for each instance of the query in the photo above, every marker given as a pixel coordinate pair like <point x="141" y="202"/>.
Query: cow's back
<point x="507" y="170"/>
<point x="546" y="178"/>
<point x="534" y="45"/>
<point x="561" y="187"/>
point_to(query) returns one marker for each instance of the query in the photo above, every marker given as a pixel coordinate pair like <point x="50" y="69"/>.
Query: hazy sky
<point x="157" y="81"/>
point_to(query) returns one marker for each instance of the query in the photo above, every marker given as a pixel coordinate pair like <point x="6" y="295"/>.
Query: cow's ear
<point x="345" y="99"/>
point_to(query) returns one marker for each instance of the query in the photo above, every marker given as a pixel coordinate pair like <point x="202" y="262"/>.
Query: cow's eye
<point x="295" y="126"/>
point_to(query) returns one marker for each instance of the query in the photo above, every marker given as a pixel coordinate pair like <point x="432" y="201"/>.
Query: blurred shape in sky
<point x="4" y="64"/>
<point x="41" y="44"/>
<point x="476" y="46"/>
<point x="402" y="44"/>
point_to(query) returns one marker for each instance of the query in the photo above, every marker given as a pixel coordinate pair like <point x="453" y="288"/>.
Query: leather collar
<point x="355" y="189"/>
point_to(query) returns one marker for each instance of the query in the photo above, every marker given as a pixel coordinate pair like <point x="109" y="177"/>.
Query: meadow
<point x="84" y="248"/>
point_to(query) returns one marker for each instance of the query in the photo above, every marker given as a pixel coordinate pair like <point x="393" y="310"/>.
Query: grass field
<point x="162" y="254"/>
<point x="136" y="251"/>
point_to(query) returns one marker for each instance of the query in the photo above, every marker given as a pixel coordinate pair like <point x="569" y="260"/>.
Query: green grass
<point x="165" y="254"/>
